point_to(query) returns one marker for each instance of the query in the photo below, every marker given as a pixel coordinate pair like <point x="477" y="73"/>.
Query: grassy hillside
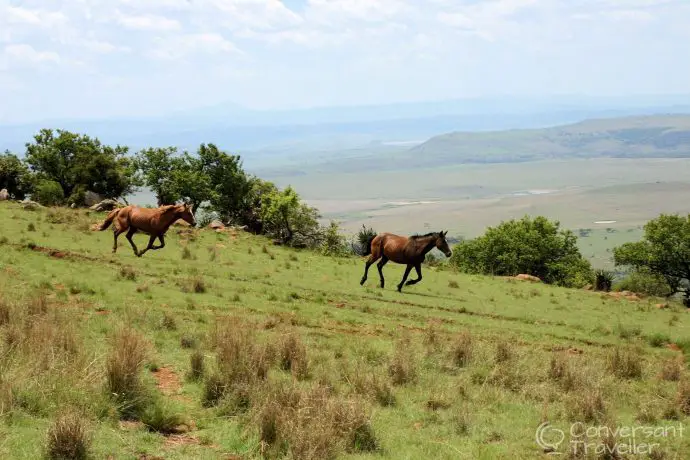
<point x="454" y="367"/>
<point x="630" y="137"/>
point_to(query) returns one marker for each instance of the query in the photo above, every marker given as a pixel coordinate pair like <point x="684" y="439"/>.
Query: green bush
<point x="333" y="242"/>
<point x="49" y="193"/>
<point x="536" y="247"/>
<point x="644" y="282"/>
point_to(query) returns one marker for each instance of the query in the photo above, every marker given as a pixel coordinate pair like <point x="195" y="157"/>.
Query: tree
<point x="286" y="217"/>
<point x="533" y="246"/>
<point x="664" y="251"/>
<point x="157" y="166"/>
<point x="14" y="176"/>
<point x="72" y="160"/>
<point x="190" y="182"/>
<point x="229" y="184"/>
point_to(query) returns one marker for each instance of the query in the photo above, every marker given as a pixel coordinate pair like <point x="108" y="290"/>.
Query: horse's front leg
<point x="129" y="235"/>
<point x="418" y="268"/>
<point x="402" y="282"/>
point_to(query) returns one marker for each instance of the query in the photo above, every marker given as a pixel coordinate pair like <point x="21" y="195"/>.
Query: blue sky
<point x="99" y="58"/>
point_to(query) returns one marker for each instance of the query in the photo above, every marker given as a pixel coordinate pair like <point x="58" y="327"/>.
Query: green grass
<point x="454" y="367"/>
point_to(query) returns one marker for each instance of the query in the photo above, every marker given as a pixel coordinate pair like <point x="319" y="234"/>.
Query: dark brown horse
<point x="153" y="222"/>
<point x="403" y="250"/>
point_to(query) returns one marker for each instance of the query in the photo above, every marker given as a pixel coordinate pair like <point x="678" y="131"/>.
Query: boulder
<point x="525" y="277"/>
<point x="216" y="225"/>
<point x="105" y="205"/>
<point x="31" y="205"/>
<point x="92" y="198"/>
<point x="4" y="195"/>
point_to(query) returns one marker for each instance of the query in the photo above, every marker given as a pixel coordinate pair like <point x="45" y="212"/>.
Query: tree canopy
<point x="14" y="176"/>
<point x="664" y="251"/>
<point x="78" y="162"/>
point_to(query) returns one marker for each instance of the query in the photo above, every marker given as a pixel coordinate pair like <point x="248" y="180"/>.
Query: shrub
<point x="644" y="282"/>
<point x="68" y="438"/>
<point x="361" y="244"/>
<point x="48" y="193"/>
<point x="603" y="280"/>
<point x="533" y="246"/>
<point x="333" y="242"/>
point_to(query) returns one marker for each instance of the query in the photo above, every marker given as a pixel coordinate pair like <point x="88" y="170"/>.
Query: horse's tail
<point x="109" y="220"/>
<point x="367" y="246"/>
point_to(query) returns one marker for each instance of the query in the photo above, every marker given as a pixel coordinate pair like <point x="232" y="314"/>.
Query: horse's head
<point x="442" y="244"/>
<point x="184" y="212"/>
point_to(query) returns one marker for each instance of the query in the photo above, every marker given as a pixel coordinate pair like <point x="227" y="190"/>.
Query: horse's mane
<point x="415" y="237"/>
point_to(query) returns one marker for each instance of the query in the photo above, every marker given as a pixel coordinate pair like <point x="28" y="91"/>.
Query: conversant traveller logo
<point x="604" y="439"/>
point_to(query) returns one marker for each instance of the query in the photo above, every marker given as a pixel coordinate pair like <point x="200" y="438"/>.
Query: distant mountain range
<point x="627" y="137"/>
<point x="265" y="138"/>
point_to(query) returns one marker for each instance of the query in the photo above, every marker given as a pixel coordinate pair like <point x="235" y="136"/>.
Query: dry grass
<point x="503" y="353"/>
<point x="561" y="372"/>
<point x="312" y="424"/>
<point x="124" y="364"/>
<point x="587" y="405"/>
<point x="242" y="362"/>
<point x="196" y="365"/>
<point x="194" y="284"/>
<point x="672" y="369"/>
<point x="461" y="350"/>
<point x="293" y="356"/>
<point x="683" y="396"/>
<point x="403" y="365"/>
<point x="371" y="384"/>
<point x="128" y="273"/>
<point x="625" y="363"/>
<point x="68" y="438"/>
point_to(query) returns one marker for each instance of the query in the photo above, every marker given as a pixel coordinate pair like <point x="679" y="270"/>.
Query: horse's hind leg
<point x="382" y="262"/>
<point x="116" y="233"/>
<point x="402" y="282"/>
<point x="369" y="263"/>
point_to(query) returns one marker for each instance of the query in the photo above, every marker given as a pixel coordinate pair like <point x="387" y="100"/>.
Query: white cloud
<point x="34" y="17"/>
<point x="148" y="22"/>
<point x="183" y="45"/>
<point x="26" y="53"/>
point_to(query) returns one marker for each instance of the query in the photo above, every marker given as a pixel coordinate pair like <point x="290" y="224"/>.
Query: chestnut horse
<point x="153" y="222"/>
<point x="403" y="250"/>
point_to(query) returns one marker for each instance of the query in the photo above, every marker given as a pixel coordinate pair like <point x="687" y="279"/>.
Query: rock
<point x="4" y="195"/>
<point x="216" y="225"/>
<point x="105" y="205"/>
<point x="31" y="205"/>
<point x="73" y="206"/>
<point x="92" y="198"/>
<point x="525" y="277"/>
